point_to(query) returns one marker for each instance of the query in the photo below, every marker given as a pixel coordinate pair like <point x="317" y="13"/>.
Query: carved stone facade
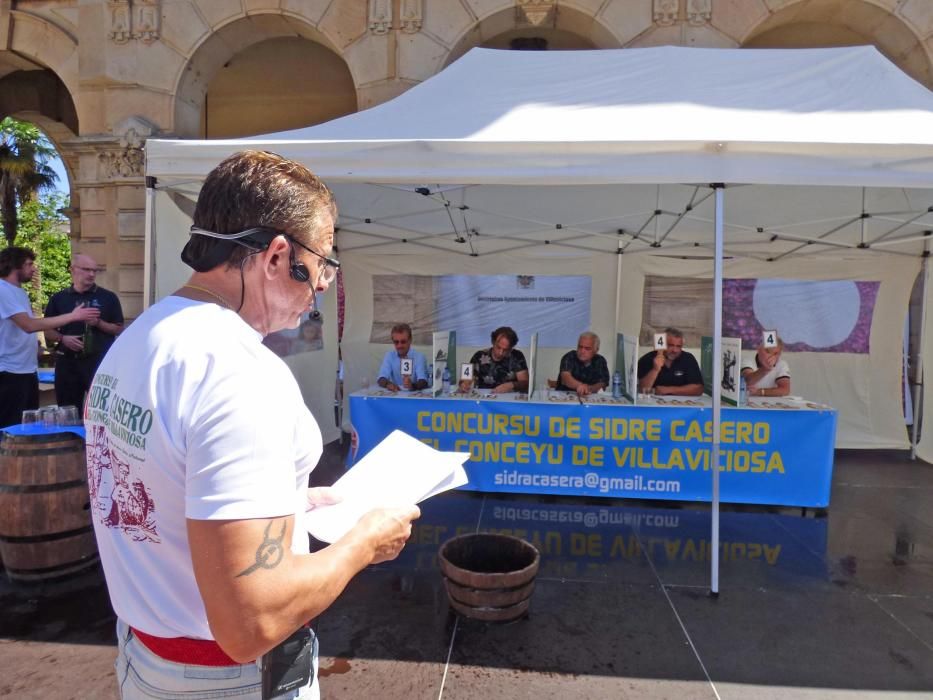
<point x="695" y="12"/>
<point x="126" y="70"/>
<point x="134" y="19"/>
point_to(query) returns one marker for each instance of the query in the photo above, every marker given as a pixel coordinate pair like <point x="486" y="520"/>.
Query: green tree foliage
<point x="24" y="170"/>
<point x="43" y="229"/>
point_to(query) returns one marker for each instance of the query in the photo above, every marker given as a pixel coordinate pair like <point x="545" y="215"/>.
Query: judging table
<point x="775" y="451"/>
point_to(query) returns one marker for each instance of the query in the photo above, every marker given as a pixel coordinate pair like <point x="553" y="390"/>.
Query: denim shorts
<point x="143" y="675"/>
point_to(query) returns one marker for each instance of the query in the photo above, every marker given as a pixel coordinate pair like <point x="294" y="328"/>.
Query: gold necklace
<point x="223" y="302"/>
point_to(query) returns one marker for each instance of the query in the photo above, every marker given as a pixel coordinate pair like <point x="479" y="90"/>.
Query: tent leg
<point x="149" y="244"/>
<point x="918" y="360"/>
<point x="717" y="390"/>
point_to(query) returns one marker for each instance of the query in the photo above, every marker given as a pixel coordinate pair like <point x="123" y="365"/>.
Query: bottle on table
<point x="617" y="385"/>
<point x="445" y="381"/>
<point x="743" y="392"/>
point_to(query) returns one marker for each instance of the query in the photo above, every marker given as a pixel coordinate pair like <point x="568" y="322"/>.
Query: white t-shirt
<point x="189" y="416"/>
<point x="769" y="381"/>
<point x="18" y="349"/>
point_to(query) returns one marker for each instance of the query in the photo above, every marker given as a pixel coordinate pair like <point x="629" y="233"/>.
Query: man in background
<point x="19" y="382"/>
<point x="672" y="371"/>
<point x="584" y="371"/>
<point x="390" y="372"/>
<point x="766" y="373"/>
<point x="81" y="346"/>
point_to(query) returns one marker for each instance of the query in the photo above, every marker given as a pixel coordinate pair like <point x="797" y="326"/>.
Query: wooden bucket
<point x="489" y="577"/>
<point x="45" y="521"/>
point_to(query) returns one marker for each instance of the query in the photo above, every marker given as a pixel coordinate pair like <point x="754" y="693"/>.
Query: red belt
<point x="183" y="650"/>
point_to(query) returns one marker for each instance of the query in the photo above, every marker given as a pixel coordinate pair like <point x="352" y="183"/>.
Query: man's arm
<point x="385" y="370"/>
<point x="256" y="591"/>
<point x="106" y="326"/>
<point x="685" y="390"/>
<point x="27" y="323"/>
<point x="648" y="374"/>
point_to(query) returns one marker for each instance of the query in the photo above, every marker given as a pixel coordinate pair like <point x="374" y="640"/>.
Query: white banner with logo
<point x="556" y="307"/>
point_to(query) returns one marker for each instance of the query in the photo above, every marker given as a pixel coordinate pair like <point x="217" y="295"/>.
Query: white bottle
<point x="445" y="381"/>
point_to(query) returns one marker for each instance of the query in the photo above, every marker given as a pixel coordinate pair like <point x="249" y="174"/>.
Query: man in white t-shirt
<point x="19" y="383"/>
<point x="766" y="374"/>
<point x="199" y="450"/>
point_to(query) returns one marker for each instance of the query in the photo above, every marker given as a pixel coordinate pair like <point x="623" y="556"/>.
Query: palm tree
<point x="24" y="169"/>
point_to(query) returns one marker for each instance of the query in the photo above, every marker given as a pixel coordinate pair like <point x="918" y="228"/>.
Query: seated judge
<point x="501" y="368"/>
<point x="584" y="370"/>
<point x="672" y="371"/>
<point x="766" y="374"/>
<point x="390" y="372"/>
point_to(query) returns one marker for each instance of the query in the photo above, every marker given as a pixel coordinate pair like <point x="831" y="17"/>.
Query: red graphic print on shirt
<point x="118" y="498"/>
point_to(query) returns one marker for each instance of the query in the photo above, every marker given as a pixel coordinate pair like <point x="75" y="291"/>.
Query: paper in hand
<point x="398" y="472"/>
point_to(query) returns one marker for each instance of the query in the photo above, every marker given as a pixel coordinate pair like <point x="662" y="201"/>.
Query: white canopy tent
<point x="601" y="163"/>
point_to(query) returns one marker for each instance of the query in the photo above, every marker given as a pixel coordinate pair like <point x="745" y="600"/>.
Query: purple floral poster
<point x="810" y="315"/>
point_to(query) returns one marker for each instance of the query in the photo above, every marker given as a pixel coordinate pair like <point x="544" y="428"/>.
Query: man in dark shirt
<point x="501" y="368"/>
<point x="584" y="370"/>
<point x="81" y="346"/>
<point x="670" y="371"/>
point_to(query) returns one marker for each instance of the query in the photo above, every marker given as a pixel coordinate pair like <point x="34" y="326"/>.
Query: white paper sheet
<point x="398" y="472"/>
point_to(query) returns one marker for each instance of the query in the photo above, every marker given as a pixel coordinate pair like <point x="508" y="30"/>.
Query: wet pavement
<point x="832" y="605"/>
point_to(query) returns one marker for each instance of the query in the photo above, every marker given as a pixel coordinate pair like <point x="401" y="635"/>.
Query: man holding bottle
<point x="81" y="345"/>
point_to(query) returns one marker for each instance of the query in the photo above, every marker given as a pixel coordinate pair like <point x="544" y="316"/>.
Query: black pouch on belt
<point x="288" y="665"/>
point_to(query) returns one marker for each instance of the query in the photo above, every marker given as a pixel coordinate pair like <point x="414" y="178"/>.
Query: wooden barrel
<point x="489" y="577"/>
<point x="45" y="517"/>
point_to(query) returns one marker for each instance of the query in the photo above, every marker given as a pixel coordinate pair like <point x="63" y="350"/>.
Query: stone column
<point x="112" y="194"/>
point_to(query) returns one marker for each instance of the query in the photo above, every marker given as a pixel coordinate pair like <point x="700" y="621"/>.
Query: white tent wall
<point x="865" y="389"/>
<point x="361" y="358"/>
<point x="925" y="443"/>
<point x="316" y="372"/>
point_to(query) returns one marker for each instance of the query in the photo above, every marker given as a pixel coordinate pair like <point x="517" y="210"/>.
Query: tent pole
<point x="149" y="244"/>
<point x="717" y="390"/>
<point x="918" y="358"/>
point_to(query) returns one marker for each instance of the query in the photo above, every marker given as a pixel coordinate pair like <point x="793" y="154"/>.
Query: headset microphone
<point x="299" y="272"/>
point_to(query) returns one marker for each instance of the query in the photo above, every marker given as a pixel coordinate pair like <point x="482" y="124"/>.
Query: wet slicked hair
<point x="258" y="188"/>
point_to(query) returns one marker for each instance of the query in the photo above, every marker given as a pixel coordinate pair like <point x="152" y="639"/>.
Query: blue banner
<point x="776" y="457"/>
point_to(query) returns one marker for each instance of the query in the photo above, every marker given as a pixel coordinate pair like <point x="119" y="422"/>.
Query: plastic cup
<point x="68" y="415"/>
<point x="30" y="417"/>
<point x="48" y="416"/>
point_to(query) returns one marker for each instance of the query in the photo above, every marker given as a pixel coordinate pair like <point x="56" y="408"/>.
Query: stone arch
<point x="563" y="28"/>
<point x="238" y="37"/>
<point x="41" y="98"/>
<point x="48" y="46"/>
<point x="818" y="23"/>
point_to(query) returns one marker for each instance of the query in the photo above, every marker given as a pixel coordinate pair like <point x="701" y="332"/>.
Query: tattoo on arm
<point x="270" y="552"/>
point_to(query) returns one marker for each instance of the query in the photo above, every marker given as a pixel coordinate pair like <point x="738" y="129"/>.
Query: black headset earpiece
<point x="298" y="271"/>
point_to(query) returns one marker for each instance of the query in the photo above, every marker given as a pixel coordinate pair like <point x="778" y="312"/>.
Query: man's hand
<point x="73" y="342"/>
<point x="659" y="360"/>
<point x="391" y="386"/>
<point x="388" y="529"/>
<point x="662" y="390"/>
<point x="85" y="313"/>
<point x="766" y="360"/>
<point x="322" y="496"/>
<point x="504" y="388"/>
<point x="583" y="389"/>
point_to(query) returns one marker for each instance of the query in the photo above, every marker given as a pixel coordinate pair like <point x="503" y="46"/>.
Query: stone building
<point x="100" y="76"/>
